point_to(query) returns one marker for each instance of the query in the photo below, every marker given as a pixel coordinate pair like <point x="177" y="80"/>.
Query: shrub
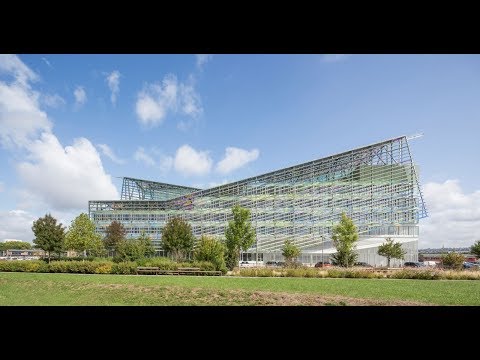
<point x="453" y="260"/>
<point x="211" y="250"/>
<point x="124" y="268"/>
<point x="105" y="268"/>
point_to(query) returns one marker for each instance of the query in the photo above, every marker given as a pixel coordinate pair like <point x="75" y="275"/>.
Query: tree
<point x="114" y="234"/>
<point x="146" y="245"/>
<point x="453" y="260"/>
<point x="290" y="251"/>
<point x="15" y="245"/>
<point x="82" y="237"/>
<point x="391" y="250"/>
<point x="475" y="249"/>
<point x="344" y="236"/>
<point x="49" y="236"/>
<point x="240" y="235"/>
<point x="210" y="249"/>
<point x="177" y="238"/>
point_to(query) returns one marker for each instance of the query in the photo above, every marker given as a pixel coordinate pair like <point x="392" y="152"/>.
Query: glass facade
<point x="376" y="185"/>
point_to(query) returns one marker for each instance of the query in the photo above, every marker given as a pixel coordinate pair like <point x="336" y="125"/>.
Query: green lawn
<point x="76" y="289"/>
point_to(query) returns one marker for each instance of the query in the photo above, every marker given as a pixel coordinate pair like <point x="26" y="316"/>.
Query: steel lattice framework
<point x="376" y="185"/>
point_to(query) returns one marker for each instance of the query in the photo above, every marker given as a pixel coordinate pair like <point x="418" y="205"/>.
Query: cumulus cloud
<point x="12" y="65"/>
<point x="155" y="101"/>
<point x="141" y="156"/>
<point x="21" y="119"/>
<point x="331" y="58"/>
<point x="235" y="158"/>
<point x="454" y="216"/>
<point x="202" y="59"/>
<point x="62" y="178"/>
<point x="189" y="161"/>
<point x="53" y="101"/>
<point x="66" y="177"/>
<point x="80" y="96"/>
<point x="108" y="152"/>
<point x="113" y="81"/>
<point x="16" y="224"/>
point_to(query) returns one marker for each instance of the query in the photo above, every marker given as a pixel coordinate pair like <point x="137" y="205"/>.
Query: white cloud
<point x="189" y="100"/>
<point x="454" y="217"/>
<point x="202" y="59"/>
<point x="47" y="62"/>
<point x="21" y="119"/>
<point x="165" y="163"/>
<point x="189" y="161"/>
<point x="59" y="178"/>
<point x="12" y="65"/>
<point x="236" y="158"/>
<point x="141" y="156"/>
<point x="16" y="224"/>
<point x="65" y="178"/>
<point x="155" y="101"/>
<point x="80" y="96"/>
<point x="113" y="81"/>
<point x="108" y="152"/>
<point x="53" y="101"/>
<point x="330" y="58"/>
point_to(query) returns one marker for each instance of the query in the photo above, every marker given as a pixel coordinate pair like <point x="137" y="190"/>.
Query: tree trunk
<point x="49" y="257"/>
<point x="388" y="261"/>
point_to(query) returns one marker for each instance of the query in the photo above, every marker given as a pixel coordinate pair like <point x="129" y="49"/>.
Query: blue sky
<point x="71" y="124"/>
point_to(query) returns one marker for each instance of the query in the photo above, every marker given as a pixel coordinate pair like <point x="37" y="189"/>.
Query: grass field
<point x="77" y="289"/>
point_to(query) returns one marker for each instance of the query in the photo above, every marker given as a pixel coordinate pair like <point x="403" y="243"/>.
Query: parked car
<point x="413" y="264"/>
<point x="362" y="264"/>
<point x="272" y="263"/>
<point x="470" y="265"/>
<point x="323" y="264"/>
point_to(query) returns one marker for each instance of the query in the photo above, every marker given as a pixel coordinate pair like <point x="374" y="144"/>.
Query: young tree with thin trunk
<point x="49" y="236"/>
<point x="391" y="250"/>
<point x="240" y="235"/>
<point x="344" y="236"/>
<point x="177" y="238"/>
<point x="114" y="235"/>
<point x="82" y="237"/>
<point x="290" y="251"/>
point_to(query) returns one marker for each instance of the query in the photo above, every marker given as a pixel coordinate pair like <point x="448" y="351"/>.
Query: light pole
<point x="322" y="250"/>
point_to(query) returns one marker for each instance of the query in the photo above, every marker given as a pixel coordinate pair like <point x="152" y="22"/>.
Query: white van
<point x="430" y="263"/>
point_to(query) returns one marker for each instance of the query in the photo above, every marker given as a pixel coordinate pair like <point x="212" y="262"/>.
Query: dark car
<point x="272" y="263"/>
<point x="362" y="264"/>
<point x="413" y="264"/>
<point x="323" y="264"/>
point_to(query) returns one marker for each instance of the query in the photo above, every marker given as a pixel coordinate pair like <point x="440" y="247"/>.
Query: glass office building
<point x="376" y="185"/>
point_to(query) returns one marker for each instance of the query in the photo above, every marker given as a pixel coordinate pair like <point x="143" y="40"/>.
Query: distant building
<point x="22" y="253"/>
<point x="437" y="257"/>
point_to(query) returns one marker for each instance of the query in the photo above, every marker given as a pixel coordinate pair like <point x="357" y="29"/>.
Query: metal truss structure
<point x="376" y="185"/>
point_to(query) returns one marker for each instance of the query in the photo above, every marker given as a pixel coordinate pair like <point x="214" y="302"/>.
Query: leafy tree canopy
<point x="177" y="238"/>
<point x="49" y="236"/>
<point x="81" y="237"/>
<point x="210" y="249"/>
<point x="290" y="251"/>
<point x="344" y="236"/>
<point x="391" y="250"/>
<point x="240" y="235"/>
